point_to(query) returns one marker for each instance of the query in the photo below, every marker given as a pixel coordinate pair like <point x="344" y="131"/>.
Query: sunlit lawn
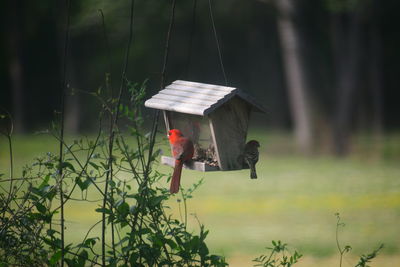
<point x="294" y="200"/>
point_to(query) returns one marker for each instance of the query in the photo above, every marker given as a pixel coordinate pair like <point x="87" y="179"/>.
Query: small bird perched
<point x="182" y="150"/>
<point x="251" y="156"/>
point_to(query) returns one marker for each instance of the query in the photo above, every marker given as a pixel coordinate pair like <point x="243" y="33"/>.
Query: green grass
<point x="293" y="200"/>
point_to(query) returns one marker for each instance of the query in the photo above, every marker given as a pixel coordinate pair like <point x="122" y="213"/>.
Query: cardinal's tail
<point x="176" y="177"/>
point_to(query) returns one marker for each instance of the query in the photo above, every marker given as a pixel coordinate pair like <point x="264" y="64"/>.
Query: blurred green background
<point x="293" y="200"/>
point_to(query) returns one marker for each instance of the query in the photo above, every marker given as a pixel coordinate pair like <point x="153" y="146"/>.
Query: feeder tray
<point x="192" y="165"/>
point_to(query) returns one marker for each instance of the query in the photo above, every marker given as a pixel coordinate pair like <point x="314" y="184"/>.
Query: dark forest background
<point x="325" y="69"/>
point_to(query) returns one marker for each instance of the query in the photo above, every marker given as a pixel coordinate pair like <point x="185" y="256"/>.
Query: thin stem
<point x="87" y="234"/>
<point x="337" y="240"/>
<point x="10" y="193"/>
<point x="11" y="161"/>
<point x="62" y="105"/>
<point x="180" y="209"/>
<point x="185" y="207"/>
<point x="8" y="135"/>
<point x="114" y="121"/>
<point x="83" y="168"/>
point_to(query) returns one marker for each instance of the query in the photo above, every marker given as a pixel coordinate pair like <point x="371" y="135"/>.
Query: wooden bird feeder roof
<point x="197" y="98"/>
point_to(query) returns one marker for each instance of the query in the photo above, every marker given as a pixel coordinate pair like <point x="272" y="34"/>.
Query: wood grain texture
<point x="191" y="94"/>
<point x="229" y="126"/>
<point x="199" y="90"/>
<point x="203" y="85"/>
<point x="177" y="107"/>
<point x="184" y="99"/>
<point x="197" y="98"/>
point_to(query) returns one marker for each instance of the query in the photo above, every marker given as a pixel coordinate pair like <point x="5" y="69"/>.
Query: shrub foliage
<point x="136" y="227"/>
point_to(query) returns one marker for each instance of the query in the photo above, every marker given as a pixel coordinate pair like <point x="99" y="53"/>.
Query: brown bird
<point x="251" y="156"/>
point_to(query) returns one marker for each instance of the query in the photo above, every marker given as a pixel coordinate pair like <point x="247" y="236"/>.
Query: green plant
<point x="20" y="241"/>
<point x="277" y="256"/>
<point x="346" y="248"/>
<point x="364" y="259"/>
<point x="141" y="232"/>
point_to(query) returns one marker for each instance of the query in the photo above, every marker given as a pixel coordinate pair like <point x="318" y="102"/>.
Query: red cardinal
<point x="182" y="150"/>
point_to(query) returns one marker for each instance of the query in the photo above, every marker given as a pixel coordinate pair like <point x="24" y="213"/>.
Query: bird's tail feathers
<point x="253" y="173"/>
<point x="176" y="177"/>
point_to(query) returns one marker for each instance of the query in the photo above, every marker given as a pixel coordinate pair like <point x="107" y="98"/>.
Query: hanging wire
<point x="166" y="53"/>
<point x="216" y="40"/>
<point x="162" y="84"/>
<point x="189" y="54"/>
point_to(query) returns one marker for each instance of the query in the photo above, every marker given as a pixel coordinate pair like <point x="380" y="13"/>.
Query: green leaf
<point x="51" y="232"/>
<point x="45" y="181"/>
<point x="94" y="165"/>
<point x="83" y="185"/>
<point x="203" y="249"/>
<point x="40" y="207"/>
<point x="154" y="201"/>
<point x="133" y="259"/>
<point x="105" y="167"/>
<point x="50" y="193"/>
<point x="123" y="240"/>
<point x="90" y="242"/>
<point x="79" y="182"/>
<point x="68" y="165"/>
<point x="103" y="210"/>
<point x="144" y="231"/>
<point x="71" y="262"/>
<point x="83" y="256"/>
<point x="55" y="258"/>
<point x="171" y="243"/>
<point x="49" y="165"/>
<point x="123" y="209"/>
<point x="112" y="183"/>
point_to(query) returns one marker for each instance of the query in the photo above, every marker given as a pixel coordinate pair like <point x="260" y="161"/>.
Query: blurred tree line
<point x="324" y="68"/>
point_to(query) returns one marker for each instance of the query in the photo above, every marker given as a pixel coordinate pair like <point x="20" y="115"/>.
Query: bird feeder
<point x="214" y="117"/>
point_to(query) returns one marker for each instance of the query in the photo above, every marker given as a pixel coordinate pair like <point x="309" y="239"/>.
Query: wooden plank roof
<point x="196" y="98"/>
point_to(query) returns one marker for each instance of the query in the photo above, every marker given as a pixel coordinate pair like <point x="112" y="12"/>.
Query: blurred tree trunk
<point x="72" y="108"/>
<point x="375" y="72"/>
<point x="15" y="65"/>
<point x="295" y="76"/>
<point x="346" y="43"/>
<point x="72" y="100"/>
